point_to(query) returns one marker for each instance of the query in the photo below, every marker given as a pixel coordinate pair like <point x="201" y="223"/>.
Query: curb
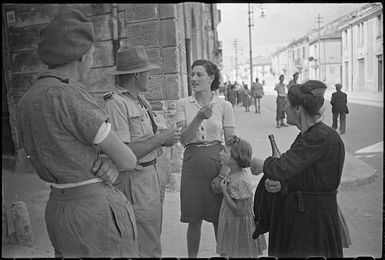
<point x="358" y="182"/>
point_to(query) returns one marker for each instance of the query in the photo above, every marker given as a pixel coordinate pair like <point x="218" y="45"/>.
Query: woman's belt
<point x="300" y="194"/>
<point x="76" y="184"/>
<point x="203" y="143"/>
<point x="145" y="164"/>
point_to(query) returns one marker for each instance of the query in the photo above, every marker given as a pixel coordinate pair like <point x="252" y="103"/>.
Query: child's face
<point x="225" y="155"/>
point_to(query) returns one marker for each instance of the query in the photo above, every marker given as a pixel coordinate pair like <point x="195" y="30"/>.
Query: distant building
<point x="362" y="50"/>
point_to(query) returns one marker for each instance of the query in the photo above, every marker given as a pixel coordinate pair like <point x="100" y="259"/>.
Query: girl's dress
<point x="235" y="232"/>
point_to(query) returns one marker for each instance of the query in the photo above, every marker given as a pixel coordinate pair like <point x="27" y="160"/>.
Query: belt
<point x="204" y="143"/>
<point x="76" y="184"/>
<point x="299" y="195"/>
<point x="145" y="164"/>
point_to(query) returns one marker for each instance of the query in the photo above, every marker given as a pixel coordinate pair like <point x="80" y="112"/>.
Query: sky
<point x="282" y="24"/>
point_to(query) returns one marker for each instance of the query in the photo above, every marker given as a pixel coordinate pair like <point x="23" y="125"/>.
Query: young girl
<point x="236" y="220"/>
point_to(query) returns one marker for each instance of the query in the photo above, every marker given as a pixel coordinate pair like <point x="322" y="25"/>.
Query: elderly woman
<point x="305" y="220"/>
<point x="207" y="121"/>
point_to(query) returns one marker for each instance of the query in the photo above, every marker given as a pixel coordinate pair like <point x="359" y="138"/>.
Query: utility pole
<point x="318" y="21"/>
<point x="250" y="46"/>
<point x="235" y="44"/>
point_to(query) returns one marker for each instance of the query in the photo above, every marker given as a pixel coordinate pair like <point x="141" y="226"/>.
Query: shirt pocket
<point x="136" y="121"/>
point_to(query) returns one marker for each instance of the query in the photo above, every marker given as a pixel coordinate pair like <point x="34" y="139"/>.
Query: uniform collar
<point x="56" y="74"/>
<point x="120" y="90"/>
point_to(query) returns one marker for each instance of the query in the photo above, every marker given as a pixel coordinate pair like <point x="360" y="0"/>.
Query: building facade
<point x="362" y="50"/>
<point x="173" y="35"/>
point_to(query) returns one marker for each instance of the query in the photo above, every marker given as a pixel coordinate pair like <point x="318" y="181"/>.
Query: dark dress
<point x="304" y="219"/>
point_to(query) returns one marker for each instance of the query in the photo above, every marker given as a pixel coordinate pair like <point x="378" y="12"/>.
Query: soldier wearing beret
<point x="63" y="130"/>
<point x="134" y="121"/>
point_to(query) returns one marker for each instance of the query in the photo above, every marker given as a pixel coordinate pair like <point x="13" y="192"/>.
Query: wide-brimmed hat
<point x="132" y="60"/>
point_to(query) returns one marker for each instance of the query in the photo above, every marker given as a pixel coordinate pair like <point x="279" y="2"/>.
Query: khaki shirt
<point x="57" y="121"/>
<point x="129" y="119"/>
<point x="211" y="129"/>
<point x="280" y="88"/>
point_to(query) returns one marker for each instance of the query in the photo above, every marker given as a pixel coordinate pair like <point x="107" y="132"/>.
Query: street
<point x="362" y="205"/>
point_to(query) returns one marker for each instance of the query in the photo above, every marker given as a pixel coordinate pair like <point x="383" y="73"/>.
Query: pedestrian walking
<point x="236" y="219"/>
<point x="63" y="130"/>
<point x="232" y="95"/>
<point x="339" y="108"/>
<point x="206" y="122"/>
<point x="280" y="88"/>
<point x="305" y="219"/>
<point x="257" y="93"/>
<point x="246" y="97"/>
<point x="133" y="120"/>
<point x="293" y="81"/>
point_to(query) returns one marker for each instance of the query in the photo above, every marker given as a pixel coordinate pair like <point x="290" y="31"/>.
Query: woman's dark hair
<point x="241" y="151"/>
<point x="309" y="95"/>
<point x="211" y="69"/>
<point x="281" y="76"/>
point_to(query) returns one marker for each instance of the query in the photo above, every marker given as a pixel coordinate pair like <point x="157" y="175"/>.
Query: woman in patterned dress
<point x="236" y="219"/>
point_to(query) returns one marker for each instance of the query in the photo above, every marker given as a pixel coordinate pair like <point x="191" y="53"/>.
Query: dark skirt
<point x="200" y="166"/>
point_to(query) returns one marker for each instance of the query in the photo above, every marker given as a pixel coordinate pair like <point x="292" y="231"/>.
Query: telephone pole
<point x="250" y="46"/>
<point x="235" y="44"/>
<point x="318" y="21"/>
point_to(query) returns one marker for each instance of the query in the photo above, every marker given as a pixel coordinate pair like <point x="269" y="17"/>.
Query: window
<point x="303" y="52"/>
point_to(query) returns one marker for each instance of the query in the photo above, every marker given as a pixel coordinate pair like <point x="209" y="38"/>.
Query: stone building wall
<point x="161" y="28"/>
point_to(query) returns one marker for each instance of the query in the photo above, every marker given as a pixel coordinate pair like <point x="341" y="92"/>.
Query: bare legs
<point x="194" y="237"/>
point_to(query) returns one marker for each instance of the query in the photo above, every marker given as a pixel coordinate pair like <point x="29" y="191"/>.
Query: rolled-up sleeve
<point x="228" y="115"/>
<point x="117" y="110"/>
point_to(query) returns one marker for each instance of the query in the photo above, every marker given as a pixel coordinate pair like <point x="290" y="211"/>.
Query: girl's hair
<point x="281" y="76"/>
<point x="211" y="69"/>
<point x="241" y="151"/>
<point x="309" y="95"/>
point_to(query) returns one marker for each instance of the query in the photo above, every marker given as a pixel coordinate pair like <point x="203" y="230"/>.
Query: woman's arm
<point x="120" y="153"/>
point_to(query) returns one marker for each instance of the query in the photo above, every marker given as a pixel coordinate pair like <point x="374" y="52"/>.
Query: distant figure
<point x="257" y="93"/>
<point x="232" y="95"/>
<point x="293" y="81"/>
<point x="246" y="97"/>
<point x="339" y="108"/>
<point x="236" y="218"/>
<point x="280" y="88"/>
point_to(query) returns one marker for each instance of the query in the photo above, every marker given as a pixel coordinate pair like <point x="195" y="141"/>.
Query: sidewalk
<point x="253" y="127"/>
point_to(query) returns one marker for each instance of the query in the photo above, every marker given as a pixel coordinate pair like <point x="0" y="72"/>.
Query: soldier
<point x="63" y="130"/>
<point x="133" y="120"/>
<point x="293" y="81"/>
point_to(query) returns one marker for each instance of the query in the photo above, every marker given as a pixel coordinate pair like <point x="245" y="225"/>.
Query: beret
<point x="66" y="38"/>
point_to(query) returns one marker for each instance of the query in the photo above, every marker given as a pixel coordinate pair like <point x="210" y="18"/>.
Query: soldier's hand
<point x="205" y="112"/>
<point x="105" y="169"/>
<point x="272" y="186"/>
<point x="170" y="136"/>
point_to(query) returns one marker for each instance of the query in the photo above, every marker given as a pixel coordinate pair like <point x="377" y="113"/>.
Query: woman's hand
<point x="272" y="186"/>
<point x="105" y="169"/>
<point x="205" y="112"/>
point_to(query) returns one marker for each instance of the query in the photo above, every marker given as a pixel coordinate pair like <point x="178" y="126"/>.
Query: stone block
<point x="155" y="58"/>
<point x="155" y="88"/>
<point x="103" y="55"/>
<point x="177" y="158"/>
<point x="167" y="11"/>
<point x="27" y="61"/>
<point x="32" y="14"/>
<point x="168" y="33"/>
<point x="174" y="182"/>
<point x="98" y="80"/>
<point x="22" y="223"/>
<point x="24" y="38"/>
<point x="171" y="60"/>
<point x="102" y="27"/>
<point x="92" y="9"/>
<point x="20" y="83"/>
<point x="172" y="86"/>
<point x="157" y="105"/>
<point x="145" y="33"/>
<point x="179" y="12"/>
<point x="140" y="12"/>
<point x="182" y="58"/>
<point x="184" y="86"/>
